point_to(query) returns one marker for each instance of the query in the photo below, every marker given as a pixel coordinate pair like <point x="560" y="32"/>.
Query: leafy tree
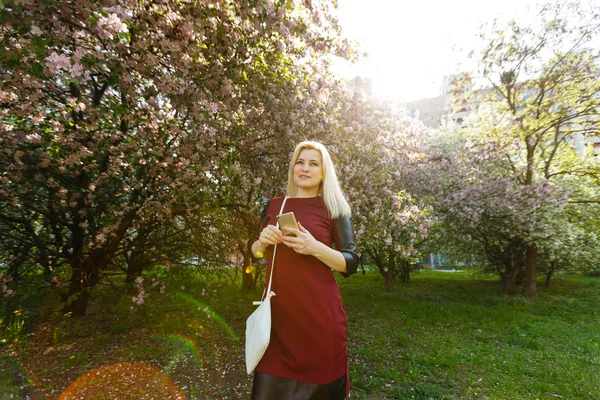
<point x="544" y="97"/>
<point x="116" y="117"/>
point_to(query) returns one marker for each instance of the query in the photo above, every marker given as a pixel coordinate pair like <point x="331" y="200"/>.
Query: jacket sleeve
<point x="344" y="242"/>
<point x="259" y="228"/>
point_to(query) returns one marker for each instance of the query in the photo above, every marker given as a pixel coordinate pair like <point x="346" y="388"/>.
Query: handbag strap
<point x="274" y="253"/>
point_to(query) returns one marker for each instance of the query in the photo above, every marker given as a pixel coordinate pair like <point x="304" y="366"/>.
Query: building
<point x="456" y="101"/>
<point x="429" y="111"/>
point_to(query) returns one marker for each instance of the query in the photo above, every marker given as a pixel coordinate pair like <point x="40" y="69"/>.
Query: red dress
<point x="309" y="325"/>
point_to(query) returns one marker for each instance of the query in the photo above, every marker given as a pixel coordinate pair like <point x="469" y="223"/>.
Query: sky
<point x="412" y="44"/>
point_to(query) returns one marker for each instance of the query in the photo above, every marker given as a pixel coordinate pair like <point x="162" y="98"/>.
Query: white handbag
<point x="258" y="324"/>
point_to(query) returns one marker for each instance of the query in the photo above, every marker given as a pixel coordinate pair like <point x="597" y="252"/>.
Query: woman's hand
<point x="303" y="242"/>
<point x="270" y="235"/>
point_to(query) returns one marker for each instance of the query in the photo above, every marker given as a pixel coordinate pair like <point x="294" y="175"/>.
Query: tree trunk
<point x="404" y="271"/>
<point x="389" y="281"/>
<point x="387" y="275"/>
<point x="83" y="279"/>
<point x="134" y="269"/>
<point x="88" y="268"/>
<point x="520" y="278"/>
<point x="138" y="257"/>
<point x="549" y="275"/>
<point x="508" y="282"/>
<point x="362" y="264"/>
<point x="77" y="300"/>
<point x="257" y="274"/>
<point x="529" y="288"/>
<point x="392" y="271"/>
<point x="387" y="270"/>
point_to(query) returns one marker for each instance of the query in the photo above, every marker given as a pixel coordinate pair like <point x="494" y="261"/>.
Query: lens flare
<point x="16" y="368"/>
<point x="186" y="343"/>
<point x="249" y="269"/>
<point x="209" y="311"/>
<point x="128" y="380"/>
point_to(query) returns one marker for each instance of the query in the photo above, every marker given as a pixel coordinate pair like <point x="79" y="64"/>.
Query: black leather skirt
<point x="267" y="387"/>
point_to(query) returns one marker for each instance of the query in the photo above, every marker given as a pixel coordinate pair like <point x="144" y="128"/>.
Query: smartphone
<point x="287" y="219"/>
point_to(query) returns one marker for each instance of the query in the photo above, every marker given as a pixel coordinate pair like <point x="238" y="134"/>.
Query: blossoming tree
<point x="113" y="114"/>
<point x="545" y="96"/>
<point x="378" y="147"/>
<point x="483" y="213"/>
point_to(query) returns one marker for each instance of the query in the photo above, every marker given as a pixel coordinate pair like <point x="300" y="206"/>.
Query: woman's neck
<point x="306" y="193"/>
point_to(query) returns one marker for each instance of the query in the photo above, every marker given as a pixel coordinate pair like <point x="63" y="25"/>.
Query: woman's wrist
<point x="318" y="249"/>
<point x="334" y="259"/>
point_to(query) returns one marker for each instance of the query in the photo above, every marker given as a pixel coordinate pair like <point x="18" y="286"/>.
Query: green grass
<point x="457" y="336"/>
<point x="440" y="336"/>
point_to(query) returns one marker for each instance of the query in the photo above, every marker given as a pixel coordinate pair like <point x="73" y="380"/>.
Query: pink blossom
<point x="33" y="138"/>
<point x="212" y="108"/>
<point x="123" y="13"/>
<point x="111" y="25"/>
<point x="154" y="103"/>
<point x="76" y="70"/>
<point x="8" y="97"/>
<point x="140" y="298"/>
<point x="35" y="30"/>
<point x="227" y="88"/>
<point x="44" y="163"/>
<point x="55" y="62"/>
<point x="78" y="54"/>
<point x="36" y="119"/>
<point x="57" y="126"/>
<point x="188" y="30"/>
<point x="7" y="292"/>
<point x="18" y="154"/>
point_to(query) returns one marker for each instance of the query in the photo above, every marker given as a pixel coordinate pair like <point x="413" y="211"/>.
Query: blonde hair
<point x="330" y="187"/>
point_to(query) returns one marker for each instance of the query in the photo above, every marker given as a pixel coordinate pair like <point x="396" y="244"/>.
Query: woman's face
<point x="308" y="171"/>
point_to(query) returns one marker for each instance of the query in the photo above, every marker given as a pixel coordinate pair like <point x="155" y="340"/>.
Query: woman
<point x="307" y="356"/>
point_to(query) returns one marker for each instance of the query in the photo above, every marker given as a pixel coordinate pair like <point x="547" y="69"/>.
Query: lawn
<point x="441" y="336"/>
